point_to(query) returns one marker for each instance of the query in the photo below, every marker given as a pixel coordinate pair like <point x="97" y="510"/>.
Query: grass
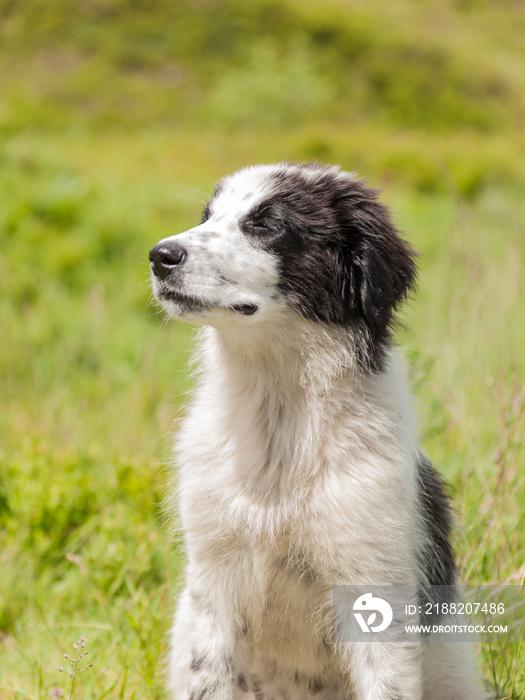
<point x="93" y="379"/>
<point x="114" y="123"/>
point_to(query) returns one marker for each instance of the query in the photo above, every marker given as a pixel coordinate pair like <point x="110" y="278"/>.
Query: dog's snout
<point x="167" y="256"/>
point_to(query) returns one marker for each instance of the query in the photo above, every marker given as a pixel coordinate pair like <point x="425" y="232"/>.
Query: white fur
<point x="296" y="473"/>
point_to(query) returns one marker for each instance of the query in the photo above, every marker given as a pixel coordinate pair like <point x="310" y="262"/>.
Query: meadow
<point x="114" y="127"/>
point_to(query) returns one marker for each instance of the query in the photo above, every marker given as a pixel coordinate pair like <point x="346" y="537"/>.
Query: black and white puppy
<point x="299" y="467"/>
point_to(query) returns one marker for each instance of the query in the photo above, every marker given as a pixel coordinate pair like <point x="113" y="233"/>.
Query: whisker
<point x="188" y="190"/>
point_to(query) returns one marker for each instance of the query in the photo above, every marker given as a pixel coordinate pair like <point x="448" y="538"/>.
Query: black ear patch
<point x="382" y="264"/>
<point x="341" y="258"/>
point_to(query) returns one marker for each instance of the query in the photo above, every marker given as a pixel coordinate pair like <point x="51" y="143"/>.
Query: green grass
<point x="93" y="377"/>
<point x="115" y="118"/>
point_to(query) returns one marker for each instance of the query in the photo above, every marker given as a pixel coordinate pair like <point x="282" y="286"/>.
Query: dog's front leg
<point x="202" y="644"/>
<point x="384" y="671"/>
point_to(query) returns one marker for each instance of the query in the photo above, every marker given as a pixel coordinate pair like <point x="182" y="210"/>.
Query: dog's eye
<point x="258" y="228"/>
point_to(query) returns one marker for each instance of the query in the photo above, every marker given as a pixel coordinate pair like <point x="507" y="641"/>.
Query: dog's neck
<point x="285" y="353"/>
<point x="283" y="389"/>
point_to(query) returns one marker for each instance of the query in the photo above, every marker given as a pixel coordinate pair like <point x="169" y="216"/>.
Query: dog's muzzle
<point x="166" y="258"/>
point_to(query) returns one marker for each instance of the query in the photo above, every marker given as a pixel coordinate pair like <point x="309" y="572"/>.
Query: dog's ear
<point x="380" y="265"/>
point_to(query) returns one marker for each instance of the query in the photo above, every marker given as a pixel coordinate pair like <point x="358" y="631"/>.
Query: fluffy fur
<point x="298" y="462"/>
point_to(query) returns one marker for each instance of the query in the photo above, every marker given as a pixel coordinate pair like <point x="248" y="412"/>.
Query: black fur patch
<point x="315" y="685"/>
<point x="242" y="629"/>
<point x="437" y="558"/>
<point x="207" y="209"/>
<point x="196" y="663"/>
<point x="206" y="213"/>
<point x="241" y="682"/>
<point x="256" y="689"/>
<point x="203" y="693"/>
<point x="228" y="664"/>
<point x="341" y="259"/>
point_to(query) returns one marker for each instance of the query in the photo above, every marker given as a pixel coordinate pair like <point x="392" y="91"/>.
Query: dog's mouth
<point x="192" y="304"/>
<point x="187" y="302"/>
<point x="244" y="309"/>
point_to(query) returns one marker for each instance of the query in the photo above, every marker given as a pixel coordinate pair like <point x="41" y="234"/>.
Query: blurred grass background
<point x="116" y="118"/>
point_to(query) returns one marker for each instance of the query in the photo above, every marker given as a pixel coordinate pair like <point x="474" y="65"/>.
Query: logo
<point x="368" y="603"/>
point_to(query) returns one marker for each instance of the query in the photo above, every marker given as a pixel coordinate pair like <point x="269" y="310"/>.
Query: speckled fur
<point x="298" y="462"/>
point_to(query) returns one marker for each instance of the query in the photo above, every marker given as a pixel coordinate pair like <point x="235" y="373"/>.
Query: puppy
<point x="299" y="468"/>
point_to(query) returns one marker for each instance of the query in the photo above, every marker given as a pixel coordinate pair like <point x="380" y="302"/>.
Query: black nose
<point x="166" y="257"/>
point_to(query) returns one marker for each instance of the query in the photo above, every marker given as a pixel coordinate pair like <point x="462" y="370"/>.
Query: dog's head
<point x="303" y="236"/>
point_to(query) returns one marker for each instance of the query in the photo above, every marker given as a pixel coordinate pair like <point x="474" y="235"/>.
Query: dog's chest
<point x="286" y="600"/>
